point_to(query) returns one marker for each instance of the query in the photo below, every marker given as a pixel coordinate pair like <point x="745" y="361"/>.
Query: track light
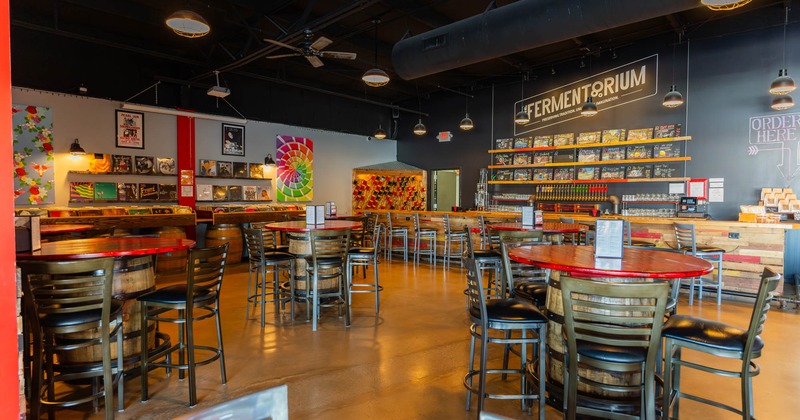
<point x="589" y="109"/>
<point x="782" y="102"/>
<point x="76" y="149"/>
<point x="673" y="98"/>
<point x="187" y="23"/>
<point x="420" y="129"/>
<point x="380" y="133"/>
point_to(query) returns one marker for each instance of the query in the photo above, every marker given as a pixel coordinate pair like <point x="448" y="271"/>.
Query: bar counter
<point x="749" y="246"/>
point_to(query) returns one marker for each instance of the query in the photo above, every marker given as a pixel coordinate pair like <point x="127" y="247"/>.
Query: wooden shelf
<point x="583" y="146"/>
<point x="123" y="201"/>
<point x="234" y="201"/>
<point x="117" y="174"/>
<point x="590" y="181"/>
<point x="601" y="162"/>
<point x="233" y="178"/>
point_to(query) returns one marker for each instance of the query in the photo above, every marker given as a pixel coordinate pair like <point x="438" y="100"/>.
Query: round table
<point x="554" y="230"/>
<point x="637" y="265"/>
<point x="133" y="276"/>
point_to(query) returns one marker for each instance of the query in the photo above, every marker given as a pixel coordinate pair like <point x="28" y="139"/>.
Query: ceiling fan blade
<point x="315" y="61"/>
<point x="320" y="43"/>
<point x="291" y="47"/>
<point x="338" y="54"/>
<point x="284" y="55"/>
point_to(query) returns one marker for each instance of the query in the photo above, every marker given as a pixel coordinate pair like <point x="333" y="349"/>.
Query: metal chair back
<point x="766" y="291"/>
<point x="270" y="237"/>
<point x="684" y="235"/>
<point x="206" y="268"/>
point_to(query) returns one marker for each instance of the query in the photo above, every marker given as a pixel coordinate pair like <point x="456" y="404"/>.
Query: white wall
<point x="92" y="121"/>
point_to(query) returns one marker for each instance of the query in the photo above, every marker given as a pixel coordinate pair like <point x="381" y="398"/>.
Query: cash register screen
<point x="688" y="201"/>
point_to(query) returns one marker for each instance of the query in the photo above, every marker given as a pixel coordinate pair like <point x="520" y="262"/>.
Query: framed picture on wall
<point x="130" y="129"/>
<point x="232" y="140"/>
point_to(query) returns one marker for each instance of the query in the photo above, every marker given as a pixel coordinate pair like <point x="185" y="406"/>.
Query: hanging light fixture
<point x="522" y="116"/>
<point x="268" y="161"/>
<point x="76" y="149"/>
<point x="783" y="84"/>
<point x="375" y="77"/>
<point x="673" y="98"/>
<point x="380" y="133"/>
<point x="187" y="23"/>
<point x="466" y="123"/>
<point x="589" y="109"/>
<point x="717" y="5"/>
<point x="420" y="129"/>
<point x="782" y="102"/>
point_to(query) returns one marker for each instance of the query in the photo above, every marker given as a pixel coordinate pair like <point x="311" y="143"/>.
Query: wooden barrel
<point x="173" y="262"/>
<point x="300" y="245"/>
<point x="217" y="235"/>
<point x="555" y="350"/>
<point x="132" y="277"/>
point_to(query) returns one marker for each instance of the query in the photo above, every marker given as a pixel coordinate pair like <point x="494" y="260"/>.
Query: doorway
<point x="446" y="189"/>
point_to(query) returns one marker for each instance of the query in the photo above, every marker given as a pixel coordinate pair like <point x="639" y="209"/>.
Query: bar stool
<point x="427" y="235"/>
<point x="523" y="280"/>
<point x="450" y="238"/>
<point x="486" y="259"/>
<point x="488" y="240"/>
<point x="392" y="232"/>
<point x="721" y="340"/>
<point x="196" y="300"/>
<point x="516" y="319"/>
<point x="327" y="263"/>
<point x="686" y="242"/>
<point x="569" y="237"/>
<point x="262" y="262"/>
<point x="626" y="237"/>
<point x="365" y="257"/>
<point x="72" y="300"/>
<point x="270" y="238"/>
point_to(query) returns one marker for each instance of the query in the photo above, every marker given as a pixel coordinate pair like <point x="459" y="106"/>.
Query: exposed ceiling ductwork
<point x="517" y="27"/>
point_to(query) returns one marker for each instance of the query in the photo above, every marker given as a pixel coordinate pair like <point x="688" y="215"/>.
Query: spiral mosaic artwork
<point x="295" y="161"/>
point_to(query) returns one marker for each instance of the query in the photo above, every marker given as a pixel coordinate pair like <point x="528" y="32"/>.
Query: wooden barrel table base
<point x="217" y="235"/>
<point x="176" y="261"/>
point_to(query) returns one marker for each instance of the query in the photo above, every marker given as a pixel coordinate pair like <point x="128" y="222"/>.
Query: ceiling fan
<point x="312" y="51"/>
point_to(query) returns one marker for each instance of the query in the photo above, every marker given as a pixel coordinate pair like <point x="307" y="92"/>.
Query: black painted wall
<point x="730" y="66"/>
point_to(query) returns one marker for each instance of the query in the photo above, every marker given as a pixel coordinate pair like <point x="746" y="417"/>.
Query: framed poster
<point x="232" y="140"/>
<point x="130" y="129"/>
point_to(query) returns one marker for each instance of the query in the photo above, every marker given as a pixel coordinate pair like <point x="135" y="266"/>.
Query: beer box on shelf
<point x="588" y="173"/>
<point x="589" y="137"/>
<point x="503" y="158"/>
<point x="542" y="174"/>
<point x="669" y="130"/>
<point x="504" y="143"/>
<point x="522" y="158"/>
<point x="616" y="172"/>
<point x="662" y="170"/>
<point x="640" y="134"/>
<point x="564" y="174"/>
<point x="542" y="141"/>
<point x="588" y="155"/>
<point x="523" y="142"/>
<point x="637" y="171"/>
<point x="639" y="152"/>
<point x="564" y="156"/>
<point x="666" y="150"/>
<point x="522" y="174"/>
<point x="504" y="175"/>
<point x="614" y="135"/>
<point x="542" y="157"/>
<point x="564" y="139"/>
<point x="613" y="153"/>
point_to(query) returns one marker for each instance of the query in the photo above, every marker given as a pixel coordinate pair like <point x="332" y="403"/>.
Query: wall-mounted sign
<point x="609" y="89"/>
<point x="777" y="133"/>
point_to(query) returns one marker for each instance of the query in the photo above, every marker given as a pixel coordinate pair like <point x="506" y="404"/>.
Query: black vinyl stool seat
<point x="615" y="329"/>
<point x="264" y="260"/>
<point x="195" y="300"/>
<point x="68" y="307"/>
<point x="532" y="291"/>
<point x="515" y="322"/>
<point x="721" y="340"/>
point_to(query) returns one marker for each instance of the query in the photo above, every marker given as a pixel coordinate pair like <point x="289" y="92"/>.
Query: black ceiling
<point x="236" y="48"/>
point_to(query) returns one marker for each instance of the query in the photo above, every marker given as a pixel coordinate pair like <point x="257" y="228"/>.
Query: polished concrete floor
<point x="409" y="360"/>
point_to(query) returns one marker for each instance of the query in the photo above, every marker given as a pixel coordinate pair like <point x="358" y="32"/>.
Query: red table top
<point x="345" y="217"/>
<point x="64" y="228"/>
<point x="579" y="261"/>
<point x="301" y="226"/>
<point x="106" y="247"/>
<point x="548" y="227"/>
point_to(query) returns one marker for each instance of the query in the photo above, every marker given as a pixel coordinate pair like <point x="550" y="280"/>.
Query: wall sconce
<point x="76" y="149"/>
<point x="268" y="161"/>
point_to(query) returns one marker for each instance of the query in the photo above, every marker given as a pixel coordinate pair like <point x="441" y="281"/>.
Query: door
<point x="446" y="189"/>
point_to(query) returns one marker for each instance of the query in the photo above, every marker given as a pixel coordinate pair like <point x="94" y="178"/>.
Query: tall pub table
<point x="554" y="230"/>
<point x="133" y="276"/>
<point x="637" y="265"/>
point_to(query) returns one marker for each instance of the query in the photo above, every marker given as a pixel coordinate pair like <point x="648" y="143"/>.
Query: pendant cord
<point x="785" y="24"/>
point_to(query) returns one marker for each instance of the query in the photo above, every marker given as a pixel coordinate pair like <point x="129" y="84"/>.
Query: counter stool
<point x="364" y="257"/>
<point x="570" y="238"/>
<point x="523" y="280"/>
<point x="520" y="323"/>
<point x="426" y="235"/>
<point x="686" y="242"/>
<point x="196" y="300"/>
<point x="63" y="298"/>
<point x="263" y="262"/>
<point x="489" y="239"/>
<point x="270" y="238"/>
<point x="721" y="340"/>
<point x="628" y="240"/>
<point x="615" y="327"/>
<point x="327" y="263"/>
<point x="400" y="232"/>
<point x="486" y="259"/>
<point x="450" y="238"/>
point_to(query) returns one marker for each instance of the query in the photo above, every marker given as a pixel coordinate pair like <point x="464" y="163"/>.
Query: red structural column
<point x="186" y="165"/>
<point x="9" y="352"/>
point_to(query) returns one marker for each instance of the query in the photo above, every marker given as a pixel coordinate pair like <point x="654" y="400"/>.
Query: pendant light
<point x="782" y="102"/>
<point x="718" y="5"/>
<point x="420" y="129"/>
<point x="76" y="149"/>
<point x="466" y="123"/>
<point x="783" y="84"/>
<point x="522" y="116"/>
<point x="673" y="98"/>
<point x="589" y="108"/>
<point x="187" y="23"/>
<point x="375" y="77"/>
<point x="380" y="133"/>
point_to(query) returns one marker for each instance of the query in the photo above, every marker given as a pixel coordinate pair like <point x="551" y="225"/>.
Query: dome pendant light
<point x="717" y="5"/>
<point x="783" y="84"/>
<point x="673" y="98"/>
<point x="187" y="23"/>
<point x="380" y="133"/>
<point x="589" y="109"/>
<point x="375" y="77"/>
<point x="782" y="102"/>
<point x="420" y="129"/>
<point x="466" y="123"/>
<point x="522" y="116"/>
